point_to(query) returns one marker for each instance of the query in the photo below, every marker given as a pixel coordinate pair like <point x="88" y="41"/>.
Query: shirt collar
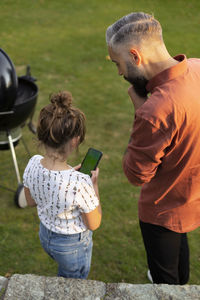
<point x="168" y="74"/>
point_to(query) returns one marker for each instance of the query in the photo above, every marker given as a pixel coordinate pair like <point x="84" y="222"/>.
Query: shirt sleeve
<point x="26" y="175"/>
<point x="86" y="198"/>
<point x="145" y="151"/>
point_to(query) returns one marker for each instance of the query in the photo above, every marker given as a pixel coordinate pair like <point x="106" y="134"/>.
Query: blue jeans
<point x="72" y="252"/>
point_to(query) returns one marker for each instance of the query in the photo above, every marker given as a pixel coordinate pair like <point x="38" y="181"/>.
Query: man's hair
<point x="137" y="27"/>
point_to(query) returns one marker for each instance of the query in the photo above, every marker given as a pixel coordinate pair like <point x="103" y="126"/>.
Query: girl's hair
<point x="59" y="122"/>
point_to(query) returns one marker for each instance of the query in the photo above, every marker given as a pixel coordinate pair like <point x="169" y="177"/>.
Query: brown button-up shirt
<point x="164" y="153"/>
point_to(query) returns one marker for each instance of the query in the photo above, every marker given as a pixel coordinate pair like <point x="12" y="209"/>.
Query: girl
<point x="67" y="201"/>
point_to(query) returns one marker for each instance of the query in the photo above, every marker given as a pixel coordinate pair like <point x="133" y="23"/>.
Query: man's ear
<point x="136" y="56"/>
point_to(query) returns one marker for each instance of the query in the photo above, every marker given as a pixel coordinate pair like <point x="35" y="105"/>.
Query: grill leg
<point x="14" y="158"/>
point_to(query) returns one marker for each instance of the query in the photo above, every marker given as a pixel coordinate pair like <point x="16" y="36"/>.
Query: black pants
<point x="167" y="254"/>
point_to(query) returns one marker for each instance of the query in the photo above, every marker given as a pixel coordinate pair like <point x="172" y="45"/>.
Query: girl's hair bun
<point x="62" y="100"/>
<point x="60" y="121"/>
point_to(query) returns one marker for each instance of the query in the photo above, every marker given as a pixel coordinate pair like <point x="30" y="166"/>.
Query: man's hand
<point x="137" y="100"/>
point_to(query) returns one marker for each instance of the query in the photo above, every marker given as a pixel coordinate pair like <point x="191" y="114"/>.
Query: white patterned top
<point x="61" y="196"/>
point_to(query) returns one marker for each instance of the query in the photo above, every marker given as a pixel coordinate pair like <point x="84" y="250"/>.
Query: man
<point x="163" y="155"/>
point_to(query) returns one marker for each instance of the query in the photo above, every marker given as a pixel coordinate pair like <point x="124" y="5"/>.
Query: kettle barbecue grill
<point x="18" y="96"/>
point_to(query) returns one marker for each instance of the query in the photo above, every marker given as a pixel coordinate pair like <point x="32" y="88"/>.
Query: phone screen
<point x="90" y="161"/>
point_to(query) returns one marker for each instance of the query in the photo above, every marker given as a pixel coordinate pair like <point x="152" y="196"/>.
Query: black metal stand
<point x="14" y="157"/>
<point x="19" y="197"/>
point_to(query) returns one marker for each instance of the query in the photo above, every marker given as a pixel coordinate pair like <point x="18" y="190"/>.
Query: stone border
<point x="25" y="287"/>
<point x="3" y="285"/>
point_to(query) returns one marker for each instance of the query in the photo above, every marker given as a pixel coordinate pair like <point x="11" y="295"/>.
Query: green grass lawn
<point x="64" y="43"/>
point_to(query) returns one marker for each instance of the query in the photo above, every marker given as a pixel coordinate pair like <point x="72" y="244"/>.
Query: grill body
<point x="18" y="97"/>
<point x="23" y="106"/>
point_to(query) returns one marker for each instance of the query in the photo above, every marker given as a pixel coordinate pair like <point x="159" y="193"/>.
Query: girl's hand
<point x="77" y="168"/>
<point x="95" y="175"/>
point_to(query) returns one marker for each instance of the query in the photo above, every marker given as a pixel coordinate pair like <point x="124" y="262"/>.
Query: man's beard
<point x="138" y="81"/>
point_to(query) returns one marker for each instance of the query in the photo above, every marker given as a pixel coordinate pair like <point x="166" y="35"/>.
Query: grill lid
<point x="8" y="82"/>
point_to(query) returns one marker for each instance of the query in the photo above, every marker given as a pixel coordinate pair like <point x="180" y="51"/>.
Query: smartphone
<point x="90" y="161"/>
